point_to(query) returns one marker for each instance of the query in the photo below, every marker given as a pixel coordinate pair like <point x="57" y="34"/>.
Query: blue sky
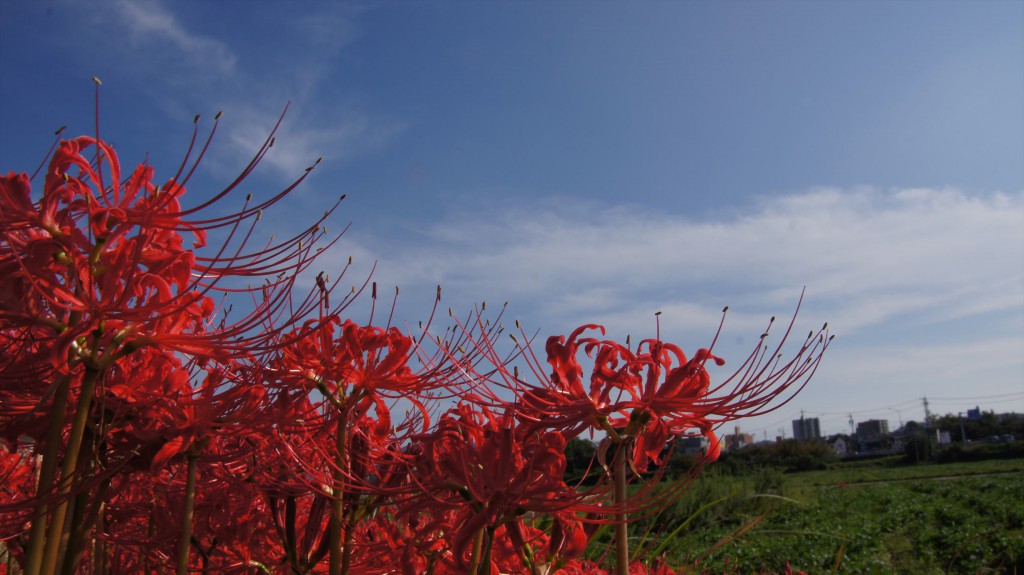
<point x="601" y="161"/>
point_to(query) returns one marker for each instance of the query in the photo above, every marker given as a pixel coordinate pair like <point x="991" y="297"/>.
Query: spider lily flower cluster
<point x="142" y="430"/>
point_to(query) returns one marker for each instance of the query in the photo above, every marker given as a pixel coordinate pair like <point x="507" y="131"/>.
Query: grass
<point x="892" y="469"/>
<point x="860" y="518"/>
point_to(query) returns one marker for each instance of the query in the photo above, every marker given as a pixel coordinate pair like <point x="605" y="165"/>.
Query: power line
<point x="1003" y="395"/>
<point x="843" y="415"/>
<point x="915" y="401"/>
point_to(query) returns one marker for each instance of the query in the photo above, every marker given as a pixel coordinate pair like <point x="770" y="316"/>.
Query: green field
<point x="867" y="517"/>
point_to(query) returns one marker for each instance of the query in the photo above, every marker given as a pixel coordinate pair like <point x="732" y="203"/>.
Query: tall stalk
<point x="338" y="559"/>
<point x="474" y="558"/>
<point x="47" y="474"/>
<point x="483" y="543"/>
<point x="51" y="552"/>
<point x="99" y="551"/>
<point x="621" y="528"/>
<point x="80" y="526"/>
<point x="190" y="505"/>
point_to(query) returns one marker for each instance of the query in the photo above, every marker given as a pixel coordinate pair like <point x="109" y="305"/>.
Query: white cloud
<point x="336" y="136"/>
<point x="189" y="68"/>
<point x="157" y="30"/>
<point x="925" y="287"/>
<point x="867" y="256"/>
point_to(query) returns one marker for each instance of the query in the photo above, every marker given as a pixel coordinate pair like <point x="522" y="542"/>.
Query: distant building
<point x="872" y="428"/>
<point x="840" y="448"/>
<point x="737" y="440"/>
<point x="693" y="445"/>
<point x="806" y="429"/>
<point x="873" y="435"/>
<point x="974" y="414"/>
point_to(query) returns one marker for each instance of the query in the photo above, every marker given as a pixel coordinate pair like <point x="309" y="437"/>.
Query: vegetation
<point x="878" y="516"/>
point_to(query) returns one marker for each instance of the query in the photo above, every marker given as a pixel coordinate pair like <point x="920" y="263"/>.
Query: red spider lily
<point x="642" y="399"/>
<point x="96" y="270"/>
<point x="563" y="403"/>
<point x="457" y="471"/>
<point x="141" y="522"/>
<point x="656" y="393"/>
<point x="352" y="369"/>
<point x="18" y="467"/>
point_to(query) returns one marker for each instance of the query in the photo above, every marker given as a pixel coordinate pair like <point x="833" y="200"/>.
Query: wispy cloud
<point x="868" y="255"/>
<point x="189" y="71"/>
<point x="337" y="136"/>
<point x="152" y="27"/>
<point x="894" y="272"/>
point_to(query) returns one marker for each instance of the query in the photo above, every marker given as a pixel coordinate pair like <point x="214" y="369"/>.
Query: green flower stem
<point x="47" y="474"/>
<point x="621" y="528"/>
<point x="51" y="552"/>
<point x="81" y="525"/>
<point x="190" y="505"/>
<point x="337" y="564"/>
<point x="478" y="544"/>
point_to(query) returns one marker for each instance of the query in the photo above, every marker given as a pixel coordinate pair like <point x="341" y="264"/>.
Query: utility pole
<point x="928" y="429"/>
<point x="963" y="434"/>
